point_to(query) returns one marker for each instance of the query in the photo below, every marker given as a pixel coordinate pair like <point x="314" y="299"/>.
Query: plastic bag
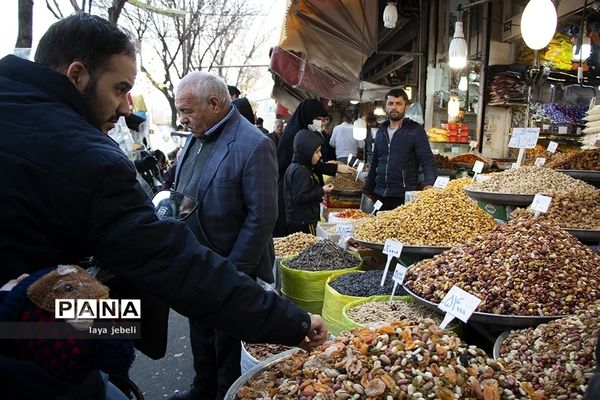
<point x="120" y="134"/>
<point x="415" y="112"/>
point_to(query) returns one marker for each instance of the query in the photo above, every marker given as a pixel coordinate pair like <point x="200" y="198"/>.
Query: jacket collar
<point x="50" y="82"/>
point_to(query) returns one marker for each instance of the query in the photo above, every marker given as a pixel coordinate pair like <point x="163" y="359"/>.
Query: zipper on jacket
<point x="387" y="165"/>
<point x="404" y="179"/>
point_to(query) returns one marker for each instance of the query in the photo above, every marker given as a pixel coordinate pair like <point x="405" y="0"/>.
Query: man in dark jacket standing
<point x="70" y="192"/>
<point x="401" y="146"/>
<point x="230" y="168"/>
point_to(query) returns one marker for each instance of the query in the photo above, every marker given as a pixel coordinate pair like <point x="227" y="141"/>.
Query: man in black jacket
<point x="69" y="192"/>
<point x="401" y="146"/>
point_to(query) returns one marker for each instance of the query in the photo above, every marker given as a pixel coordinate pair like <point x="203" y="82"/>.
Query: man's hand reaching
<point x="316" y="335"/>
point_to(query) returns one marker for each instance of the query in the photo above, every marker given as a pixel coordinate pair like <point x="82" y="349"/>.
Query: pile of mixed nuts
<point x="525" y="267"/>
<point x="403" y="360"/>
<point x="556" y="358"/>
<point x="377" y="312"/>
<point x="293" y="244"/>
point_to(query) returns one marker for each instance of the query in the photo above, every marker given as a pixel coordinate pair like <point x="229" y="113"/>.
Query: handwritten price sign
<point x="392" y="248"/>
<point x="441" y="182"/>
<point x="458" y="304"/>
<point x="524" y="138"/>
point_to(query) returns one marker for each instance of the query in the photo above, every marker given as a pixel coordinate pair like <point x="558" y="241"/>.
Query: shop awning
<point x="323" y="47"/>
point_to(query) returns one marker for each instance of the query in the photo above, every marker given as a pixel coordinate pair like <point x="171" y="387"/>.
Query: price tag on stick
<point x="360" y="168"/>
<point x="441" y="182"/>
<point x="349" y="158"/>
<point x="473" y="145"/>
<point x="377" y="206"/>
<point x="458" y="304"/>
<point x="398" y="278"/>
<point x="552" y="147"/>
<point x="540" y="204"/>
<point x="539" y="161"/>
<point x="355" y="163"/>
<point x="392" y="248"/>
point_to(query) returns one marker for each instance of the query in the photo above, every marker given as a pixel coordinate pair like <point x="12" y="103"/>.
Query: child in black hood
<point x="301" y="187"/>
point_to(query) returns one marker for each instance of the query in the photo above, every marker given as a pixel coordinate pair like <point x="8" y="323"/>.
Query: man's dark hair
<point x="82" y="37"/>
<point x="259" y="121"/>
<point x="233" y="91"/>
<point x="397" y="93"/>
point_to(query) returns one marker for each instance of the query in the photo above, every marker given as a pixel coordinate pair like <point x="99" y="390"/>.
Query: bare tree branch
<point x="55" y="11"/>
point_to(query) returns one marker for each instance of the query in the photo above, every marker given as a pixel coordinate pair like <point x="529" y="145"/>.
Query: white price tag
<point x="539" y="161"/>
<point x="552" y="147"/>
<point x="514" y="165"/>
<point x="377" y="206"/>
<point x="441" y="182"/>
<point x="524" y="138"/>
<point x="458" y="304"/>
<point x="455" y="150"/>
<point x="399" y="273"/>
<point x="349" y="158"/>
<point x="473" y="144"/>
<point x="359" y="169"/>
<point x="478" y="167"/>
<point x="563" y="130"/>
<point x="344" y="230"/>
<point x="392" y="248"/>
<point x="435" y="151"/>
<point x="546" y="127"/>
<point x="541" y="203"/>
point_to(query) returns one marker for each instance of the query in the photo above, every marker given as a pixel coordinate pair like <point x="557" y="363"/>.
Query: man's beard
<point x="395" y="116"/>
<point x="92" y="102"/>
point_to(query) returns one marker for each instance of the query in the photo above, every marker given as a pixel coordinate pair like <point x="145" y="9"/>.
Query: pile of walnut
<point x="572" y="210"/>
<point x="531" y="180"/>
<point x="436" y="218"/>
<point x="556" y="358"/>
<point x="403" y="360"/>
<point x="588" y="160"/>
<point x="525" y="267"/>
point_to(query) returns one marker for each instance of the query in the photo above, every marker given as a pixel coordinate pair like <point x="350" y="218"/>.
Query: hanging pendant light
<point x="390" y="15"/>
<point x="453" y="107"/>
<point x="359" y="129"/>
<point x="538" y="23"/>
<point x="457" y="52"/>
<point x="462" y="84"/>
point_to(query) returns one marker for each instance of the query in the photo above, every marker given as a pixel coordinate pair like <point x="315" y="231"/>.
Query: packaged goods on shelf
<point x="527" y="267"/>
<point x="507" y="87"/>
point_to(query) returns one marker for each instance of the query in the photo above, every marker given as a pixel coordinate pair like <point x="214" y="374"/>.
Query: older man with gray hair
<point x="230" y="168"/>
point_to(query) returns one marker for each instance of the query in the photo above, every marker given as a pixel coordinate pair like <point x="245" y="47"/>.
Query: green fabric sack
<point x="333" y="303"/>
<point x="350" y="324"/>
<point x="309" y="286"/>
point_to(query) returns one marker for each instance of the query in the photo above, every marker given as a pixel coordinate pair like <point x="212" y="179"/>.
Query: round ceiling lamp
<point x="538" y="23"/>
<point x="390" y="15"/>
<point x="359" y="129"/>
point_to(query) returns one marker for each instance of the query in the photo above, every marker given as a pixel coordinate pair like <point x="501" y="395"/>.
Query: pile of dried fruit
<point x="436" y="218"/>
<point x="262" y="351"/>
<point x="582" y="160"/>
<point x="443" y="162"/>
<point x="531" y="180"/>
<point x="525" y="267"/>
<point x="347" y="182"/>
<point x="351" y="213"/>
<point x="324" y="255"/>
<point x="469" y="158"/>
<point x="405" y="360"/>
<point x="572" y="210"/>
<point x="556" y="358"/>
<point x="293" y="244"/>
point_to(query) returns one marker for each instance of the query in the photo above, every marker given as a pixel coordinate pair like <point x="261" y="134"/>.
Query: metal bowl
<point x="255" y="371"/>
<point x="585" y="235"/>
<point x="498" y="344"/>
<point x="513" y="321"/>
<point x="407" y="249"/>
<point x="501" y="198"/>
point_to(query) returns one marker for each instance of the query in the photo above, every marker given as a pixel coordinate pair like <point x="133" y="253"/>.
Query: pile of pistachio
<point x="525" y="267"/>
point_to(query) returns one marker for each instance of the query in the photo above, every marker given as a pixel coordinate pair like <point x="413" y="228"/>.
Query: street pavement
<point x="159" y="379"/>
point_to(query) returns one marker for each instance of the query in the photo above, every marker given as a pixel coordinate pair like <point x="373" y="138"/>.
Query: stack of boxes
<point x="458" y="132"/>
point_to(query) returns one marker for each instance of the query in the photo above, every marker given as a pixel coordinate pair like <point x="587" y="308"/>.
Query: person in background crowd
<point x="343" y="140"/>
<point x="277" y="130"/>
<point x="327" y="152"/>
<point x="401" y="146"/>
<point x="245" y="108"/>
<point x="234" y="93"/>
<point x="372" y="126"/>
<point x="61" y="168"/>
<point x="229" y="167"/>
<point x="303" y="192"/>
<point x="308" y="115"/>
<point x="259" y="125"/>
